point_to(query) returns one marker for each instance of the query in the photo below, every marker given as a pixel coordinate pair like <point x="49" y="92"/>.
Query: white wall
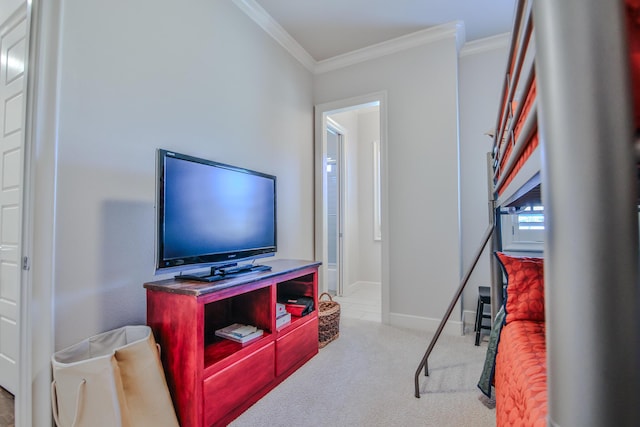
<point x="370" y="249"/>
<point x="481" y="76"/>
<point x="197" y="77"/>
<point x="423" y="234"/>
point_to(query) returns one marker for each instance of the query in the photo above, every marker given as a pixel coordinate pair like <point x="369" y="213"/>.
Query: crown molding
<point x="275" y="30"/>
<point x="461" y="36"/>
<point x="429" y="35"/>
<point x="388" y="47"/>
<point x="486" y="44"/>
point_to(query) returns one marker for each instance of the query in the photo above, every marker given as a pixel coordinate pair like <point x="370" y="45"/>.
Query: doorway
<point x="350" y="194"/>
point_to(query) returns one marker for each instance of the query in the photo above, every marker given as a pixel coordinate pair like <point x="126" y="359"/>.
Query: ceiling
<point x="328" y="28"/>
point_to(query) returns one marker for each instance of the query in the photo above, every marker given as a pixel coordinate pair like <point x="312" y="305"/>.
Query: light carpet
<point x="365" y="378"/>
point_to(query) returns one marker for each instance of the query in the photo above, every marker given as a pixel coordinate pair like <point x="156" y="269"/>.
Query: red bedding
<point x="633" y="32"/>
<point x="521" y="375"/>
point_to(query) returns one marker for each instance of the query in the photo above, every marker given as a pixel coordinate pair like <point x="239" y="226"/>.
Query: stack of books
<point x="240" y="333"/>
<point x="283" y="317"/>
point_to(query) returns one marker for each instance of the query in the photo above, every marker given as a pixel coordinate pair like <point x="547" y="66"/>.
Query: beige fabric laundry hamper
<point x="114" y="379"/>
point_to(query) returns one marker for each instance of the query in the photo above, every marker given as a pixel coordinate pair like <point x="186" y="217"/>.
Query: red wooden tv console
<point x="213" y="380"/>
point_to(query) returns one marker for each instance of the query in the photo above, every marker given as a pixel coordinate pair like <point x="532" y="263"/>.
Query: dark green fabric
<point x="488" y="371"/>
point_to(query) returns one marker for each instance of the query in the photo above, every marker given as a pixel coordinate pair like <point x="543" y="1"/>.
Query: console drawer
<point x="297" y="346"/>
<point x="232" y="386"/>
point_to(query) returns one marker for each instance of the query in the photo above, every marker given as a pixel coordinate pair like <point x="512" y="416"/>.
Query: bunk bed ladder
<point x="445" y="318"/>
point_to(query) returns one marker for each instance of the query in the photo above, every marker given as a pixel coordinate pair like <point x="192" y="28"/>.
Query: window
<point x="523" y="229"/>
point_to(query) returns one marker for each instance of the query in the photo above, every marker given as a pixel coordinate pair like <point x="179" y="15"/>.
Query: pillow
<point x="524" y="297"/>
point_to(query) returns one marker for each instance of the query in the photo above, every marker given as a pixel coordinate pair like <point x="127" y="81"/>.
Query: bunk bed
<point x="516" y="355"/>
<point x="571" y="87"/>
<point x="567" y="136"/>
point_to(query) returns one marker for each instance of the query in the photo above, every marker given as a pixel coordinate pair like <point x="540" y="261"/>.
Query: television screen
<point x="209" y="213"/>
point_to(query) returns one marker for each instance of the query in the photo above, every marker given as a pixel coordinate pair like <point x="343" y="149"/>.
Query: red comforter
<point x="521" y="375"/>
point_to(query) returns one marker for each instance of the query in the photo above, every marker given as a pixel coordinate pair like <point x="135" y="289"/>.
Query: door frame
<point x="340" y="222"/>
<point x="321" y="112"/>
<point x="33" y="401"/>
<point x="23" y="396"/>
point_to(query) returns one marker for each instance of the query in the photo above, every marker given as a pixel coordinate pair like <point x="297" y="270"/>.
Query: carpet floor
<point x="6" y="409"/>
<point x="365" y="378"/>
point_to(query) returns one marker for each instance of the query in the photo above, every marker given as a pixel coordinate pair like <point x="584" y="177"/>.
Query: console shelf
<point x="212" y="380"/>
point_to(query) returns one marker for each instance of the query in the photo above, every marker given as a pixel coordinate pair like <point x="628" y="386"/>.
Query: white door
<point x="13" y="48"/>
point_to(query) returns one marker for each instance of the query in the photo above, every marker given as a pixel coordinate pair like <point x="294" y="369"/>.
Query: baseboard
<point x="348" y="290"/>
<point x="469" y="318"/>
<point x="452" y="327"/>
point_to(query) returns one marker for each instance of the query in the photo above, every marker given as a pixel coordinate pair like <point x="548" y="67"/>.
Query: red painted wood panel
<point x="229" y="388"/>
<point x="223" y="353"/>
<point x="175" y="321"/>
<point x="296" y="346"/>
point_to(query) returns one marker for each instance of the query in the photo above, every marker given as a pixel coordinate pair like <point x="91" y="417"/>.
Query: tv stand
<point x="205" y="276"/>
<point x="225" y="272"/>
<point x="213" y="380"/>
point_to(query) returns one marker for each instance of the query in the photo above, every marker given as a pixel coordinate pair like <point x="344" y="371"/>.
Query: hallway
<point x="362" y="301"/>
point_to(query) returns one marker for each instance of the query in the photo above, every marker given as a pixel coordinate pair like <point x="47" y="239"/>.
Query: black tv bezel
<point x="181" y="264"/>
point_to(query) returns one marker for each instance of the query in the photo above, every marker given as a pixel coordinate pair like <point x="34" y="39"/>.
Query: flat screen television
<point x="210" y="214"/>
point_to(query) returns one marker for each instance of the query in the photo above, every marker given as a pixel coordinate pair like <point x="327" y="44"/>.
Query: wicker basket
<point x="328" y="320"/>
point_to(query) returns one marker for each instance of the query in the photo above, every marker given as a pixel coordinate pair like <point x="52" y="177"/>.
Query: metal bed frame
<point x="589" y="190"/>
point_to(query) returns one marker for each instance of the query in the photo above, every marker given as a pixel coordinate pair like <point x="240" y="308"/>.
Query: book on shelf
<point x="283" y="319"/>
<point x="240" y="333"/>
<point x="280" y="309"/>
